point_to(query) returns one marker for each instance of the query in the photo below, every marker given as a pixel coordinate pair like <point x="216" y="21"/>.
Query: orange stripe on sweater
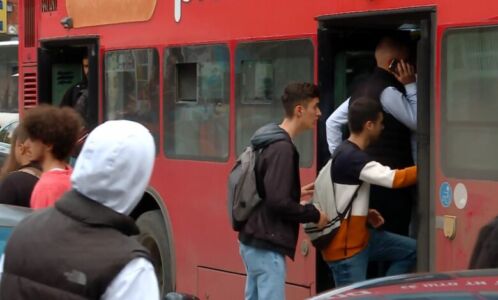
<point x="351" y="238"/>
<point x="405" y="177"/>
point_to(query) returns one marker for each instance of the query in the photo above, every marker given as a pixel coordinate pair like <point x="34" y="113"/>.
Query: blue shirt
<point x="402" y="108"/>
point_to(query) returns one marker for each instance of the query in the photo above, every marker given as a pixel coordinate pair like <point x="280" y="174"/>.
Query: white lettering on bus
<point x="409" y="287"/>
<point x="178" y="9"/>
<point x="440" y="284"/>
<point x="476" y="283"/>
<point x="351" y="294"/>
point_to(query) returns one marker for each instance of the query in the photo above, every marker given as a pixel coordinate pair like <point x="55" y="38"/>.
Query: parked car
<point x="10" y="216"/>
<point x="5" y="136"/>
<point x="465" y="285"/>
<point x="7" y="118"/>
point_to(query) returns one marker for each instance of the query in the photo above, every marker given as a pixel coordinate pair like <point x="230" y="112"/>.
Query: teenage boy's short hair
<point x="298" y="93"/>
<point x="361" y="111"/>
<point x="58" y="127"/>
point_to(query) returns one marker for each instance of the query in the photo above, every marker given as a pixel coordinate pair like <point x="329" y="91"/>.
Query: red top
<point x="50" y="187"/>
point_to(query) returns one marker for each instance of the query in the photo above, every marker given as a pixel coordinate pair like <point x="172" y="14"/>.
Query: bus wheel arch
<point x="152" y="218"/>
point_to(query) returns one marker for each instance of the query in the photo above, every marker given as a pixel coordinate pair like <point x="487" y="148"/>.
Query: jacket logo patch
<point x="75" y="276"/>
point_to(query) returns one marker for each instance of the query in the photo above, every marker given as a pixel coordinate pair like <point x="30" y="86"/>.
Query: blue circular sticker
<point x="445" y="194"/>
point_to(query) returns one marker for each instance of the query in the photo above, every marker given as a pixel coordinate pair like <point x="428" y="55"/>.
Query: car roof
<point x="465" y="282"/>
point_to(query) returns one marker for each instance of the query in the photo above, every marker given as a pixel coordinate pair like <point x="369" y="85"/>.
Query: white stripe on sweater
<point x="344" y="193"/>
<point x="377" y="174"/>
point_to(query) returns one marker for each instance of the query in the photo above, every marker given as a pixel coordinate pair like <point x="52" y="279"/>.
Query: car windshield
<point x="7" y="131"/>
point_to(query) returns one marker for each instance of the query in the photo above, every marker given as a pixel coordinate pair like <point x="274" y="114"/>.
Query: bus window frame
<point x="164" y="87"/>
<point x="314" y="45"/>
<point x="447" y="170"/>
<point x="102" y="91"/>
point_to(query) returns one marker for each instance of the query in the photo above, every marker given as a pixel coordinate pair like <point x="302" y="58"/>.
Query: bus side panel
<point x="212" y="284"/>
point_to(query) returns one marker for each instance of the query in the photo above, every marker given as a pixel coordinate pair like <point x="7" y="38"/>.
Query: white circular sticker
<point x="460" y="196"/>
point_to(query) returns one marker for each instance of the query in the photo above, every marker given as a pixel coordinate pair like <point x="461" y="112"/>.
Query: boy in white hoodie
<point x="82" y="247"/>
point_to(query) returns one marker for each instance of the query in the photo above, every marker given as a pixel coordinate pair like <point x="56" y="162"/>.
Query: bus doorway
<point x="61" y="68"/>
<point x="346" y="46"/>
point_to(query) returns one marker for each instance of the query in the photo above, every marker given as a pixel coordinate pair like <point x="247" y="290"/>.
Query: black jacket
<point x="71" y="251"/>
<point x="485" y="255"/>
<point x="77" y="97"/>
<point x="17" y="187"/>
<point x="274" y="224"/>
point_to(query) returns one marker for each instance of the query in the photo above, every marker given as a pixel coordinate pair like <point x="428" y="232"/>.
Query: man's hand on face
<point x="405" y="73"/>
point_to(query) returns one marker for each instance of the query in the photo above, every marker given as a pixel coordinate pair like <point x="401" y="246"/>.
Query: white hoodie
<point x="114" y="168"/>
<point x="115" y="165"/>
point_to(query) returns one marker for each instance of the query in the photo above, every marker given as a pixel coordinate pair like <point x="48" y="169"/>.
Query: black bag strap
<point x="257" y="153"/>
<point x="355" y="194"/>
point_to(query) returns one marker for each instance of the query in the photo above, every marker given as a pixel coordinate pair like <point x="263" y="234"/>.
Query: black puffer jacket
<point x="274" y="224"/>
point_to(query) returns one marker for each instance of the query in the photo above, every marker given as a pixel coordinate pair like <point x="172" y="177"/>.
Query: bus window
<point x="469" y="103"/>
<point x="263" y="69"/>
<point x="8" y="78"/>
<point x="132" y="87"/>
<point x="196" y="102"/>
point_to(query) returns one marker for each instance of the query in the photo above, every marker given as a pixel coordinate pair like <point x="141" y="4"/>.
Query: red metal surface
<point x="481" y="206"/>
<point x="195" y="192"/>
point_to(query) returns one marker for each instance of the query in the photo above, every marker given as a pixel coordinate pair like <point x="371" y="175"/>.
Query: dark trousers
<point x="395" y="205"/>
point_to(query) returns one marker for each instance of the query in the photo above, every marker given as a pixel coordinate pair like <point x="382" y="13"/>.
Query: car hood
<point x="478" y="284"/>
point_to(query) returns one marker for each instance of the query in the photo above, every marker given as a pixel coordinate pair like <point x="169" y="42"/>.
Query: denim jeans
<point x="400" y="251"/>
<point x="265" y="273"/>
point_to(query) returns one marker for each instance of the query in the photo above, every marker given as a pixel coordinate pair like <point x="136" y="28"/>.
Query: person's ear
<point x="298" y="110"/>
<point x="22" y="148"/>
<point x="369" y="125"/>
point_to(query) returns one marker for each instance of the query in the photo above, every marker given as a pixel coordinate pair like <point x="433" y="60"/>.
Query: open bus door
<point x="346" y="45"/>
<point x="60" y="68"/>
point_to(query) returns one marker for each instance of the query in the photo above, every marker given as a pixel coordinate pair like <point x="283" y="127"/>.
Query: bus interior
<point x="346" y="45"/>
<point x="60" y="68"/>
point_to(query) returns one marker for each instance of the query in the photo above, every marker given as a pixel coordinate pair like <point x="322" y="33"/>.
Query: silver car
<point x="5" y="139"/>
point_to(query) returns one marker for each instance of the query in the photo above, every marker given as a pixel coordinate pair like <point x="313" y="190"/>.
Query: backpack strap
<point x="257" y="153"/>
<point x="349" y="207"/>
<point x="355" y="194"/>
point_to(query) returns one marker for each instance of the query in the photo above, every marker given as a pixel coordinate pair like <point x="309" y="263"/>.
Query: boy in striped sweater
<point x="356" y="243"/>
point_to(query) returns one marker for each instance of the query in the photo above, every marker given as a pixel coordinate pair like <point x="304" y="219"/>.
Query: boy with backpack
<point x="352" y="172"/>
<point x="271" y="230"/>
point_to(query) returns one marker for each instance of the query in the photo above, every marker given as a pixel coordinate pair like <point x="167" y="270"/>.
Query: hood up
<point x="115" y="165"/>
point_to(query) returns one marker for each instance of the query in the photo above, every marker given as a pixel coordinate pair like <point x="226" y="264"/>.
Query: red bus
<point x="203" y="75"/>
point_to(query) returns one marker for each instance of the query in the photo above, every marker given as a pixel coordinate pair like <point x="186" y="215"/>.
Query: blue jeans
<point x="400" y="251"/>
<point x="265" y="273"/>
